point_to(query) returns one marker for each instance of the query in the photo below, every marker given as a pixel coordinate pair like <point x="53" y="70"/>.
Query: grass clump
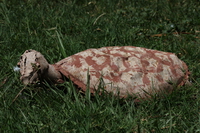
<point x="62" y="28"/>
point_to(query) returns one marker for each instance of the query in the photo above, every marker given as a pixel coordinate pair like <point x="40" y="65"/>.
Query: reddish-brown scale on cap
<point x="159" y="77"/>
<point x="76" y="61"/>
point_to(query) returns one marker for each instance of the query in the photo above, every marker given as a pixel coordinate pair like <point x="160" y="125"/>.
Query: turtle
<point x="121" y="70"/>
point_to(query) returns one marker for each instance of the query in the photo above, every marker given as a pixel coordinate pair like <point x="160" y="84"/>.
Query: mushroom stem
<point x="53" y="75"/>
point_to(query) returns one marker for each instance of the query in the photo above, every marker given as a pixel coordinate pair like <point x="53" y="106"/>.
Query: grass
<point x="62" y="28"/>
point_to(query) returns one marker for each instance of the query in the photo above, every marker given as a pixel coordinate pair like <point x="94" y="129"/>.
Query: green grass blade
<point x="62" y="49"/>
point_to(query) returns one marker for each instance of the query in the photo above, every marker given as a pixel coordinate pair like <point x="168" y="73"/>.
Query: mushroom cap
<point x="125" y="70"/>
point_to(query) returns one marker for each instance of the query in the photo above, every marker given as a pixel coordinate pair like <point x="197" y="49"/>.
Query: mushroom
<point x="123" y="71"/>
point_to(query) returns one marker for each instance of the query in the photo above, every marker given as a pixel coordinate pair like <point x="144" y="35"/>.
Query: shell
<point x="126" y="70"/>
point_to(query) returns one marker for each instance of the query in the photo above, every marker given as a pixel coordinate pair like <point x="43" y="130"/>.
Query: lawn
<point x="60" y="28"/>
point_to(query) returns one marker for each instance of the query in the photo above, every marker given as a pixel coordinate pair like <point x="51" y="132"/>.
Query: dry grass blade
<point x="98" y="18"/>
<point x="18" y="94"/>
<point x="3" y="82"/>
